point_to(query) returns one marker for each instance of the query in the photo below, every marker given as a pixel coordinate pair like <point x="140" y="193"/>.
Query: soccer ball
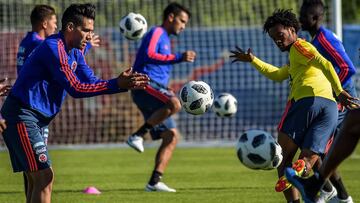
<point x="225" y="105"/>
<point x="257" y="149"/>
<point x="196" y="97"/>
<point x="133" y="26"/>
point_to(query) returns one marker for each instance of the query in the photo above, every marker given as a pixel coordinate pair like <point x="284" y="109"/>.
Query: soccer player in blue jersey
<point x="56" y="67"/>
<point x="325" y="41"/>
<point x="43" y="23"/>
<point x="157" y="103"/>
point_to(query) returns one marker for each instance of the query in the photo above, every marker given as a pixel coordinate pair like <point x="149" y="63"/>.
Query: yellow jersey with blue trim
<point x="309" y="73"/>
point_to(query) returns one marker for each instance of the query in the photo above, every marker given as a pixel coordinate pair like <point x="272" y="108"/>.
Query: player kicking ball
<point x="310" y="116"/>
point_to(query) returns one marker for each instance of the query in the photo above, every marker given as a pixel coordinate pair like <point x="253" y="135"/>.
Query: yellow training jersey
<point x="310" y="74"/>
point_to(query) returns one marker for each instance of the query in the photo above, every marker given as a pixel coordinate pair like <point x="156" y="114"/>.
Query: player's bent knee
<point x="171" y="137"/>
<point x="43" y="178"/>
<point x="175" y="105"/>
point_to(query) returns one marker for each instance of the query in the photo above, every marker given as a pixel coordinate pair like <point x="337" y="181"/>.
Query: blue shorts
<point x="310" y="122"/>
<point x="24" y="137"/>
<point x="150" y="100"/>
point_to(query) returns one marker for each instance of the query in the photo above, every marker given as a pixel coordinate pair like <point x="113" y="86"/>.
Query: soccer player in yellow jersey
<point x="310" y="116"/>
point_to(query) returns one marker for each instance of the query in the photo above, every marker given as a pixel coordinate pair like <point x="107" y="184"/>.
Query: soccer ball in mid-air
<point x="133" y="26"/>
<point x="196" y="97"/>
<point x="225" y="105"/>
<point x="257" y="149"/>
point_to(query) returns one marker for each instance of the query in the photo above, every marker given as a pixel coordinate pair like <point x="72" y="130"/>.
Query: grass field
<point x="198" y="174"/>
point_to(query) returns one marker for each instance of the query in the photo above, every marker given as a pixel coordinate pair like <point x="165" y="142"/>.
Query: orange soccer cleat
<point x="283" y="184"/>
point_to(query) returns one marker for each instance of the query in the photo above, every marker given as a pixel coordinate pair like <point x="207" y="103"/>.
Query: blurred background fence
<point x="215" y="28"/>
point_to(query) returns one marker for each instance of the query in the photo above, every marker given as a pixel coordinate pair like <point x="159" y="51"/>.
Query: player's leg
<point x="289" y="149"/>
<point x="156" y="104"/>
<point x="42" y="182"/>
<point x="322" y="121"/>
<point x="170" y="136"/>
<point x="45" y="133"/>
<point x="343" y="145"/>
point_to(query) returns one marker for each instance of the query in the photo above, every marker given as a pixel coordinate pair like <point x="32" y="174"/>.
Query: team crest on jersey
<point x="73" y="65"/>
<point x="42" y="158"/>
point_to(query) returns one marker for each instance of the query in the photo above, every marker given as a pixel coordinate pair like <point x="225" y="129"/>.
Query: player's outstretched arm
<point x="132" y="80"/>
<point x="4" y="89"/>
<point x="241" y="55"/>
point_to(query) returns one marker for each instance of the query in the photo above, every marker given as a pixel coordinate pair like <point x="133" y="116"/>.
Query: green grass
<point x="198" y="174"/>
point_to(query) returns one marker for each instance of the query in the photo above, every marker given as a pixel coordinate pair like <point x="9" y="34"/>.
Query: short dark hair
<point x="317" y="4"/>
<point x="176" y="9"/>
<point x="284" y="17"/>
<point x="76" y="12"/>
<point x="40" y="13"/>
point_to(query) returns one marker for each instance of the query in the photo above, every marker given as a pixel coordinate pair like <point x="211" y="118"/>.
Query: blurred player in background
<point x="310" y="116"/>
<point x="328" y="45"/>
<point x="43" y="22"/>
<point x="4" y="89"/>
<point x="56" y="67"/>
<point x="156" y="102"/>
<point x="344" y="144"/>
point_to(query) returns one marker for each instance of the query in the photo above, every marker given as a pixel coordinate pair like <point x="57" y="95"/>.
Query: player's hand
<point x="4" y="89"/>
<point x="95" y="41"/>
<point x="189" y="56"/>
<point x="241" y="55"/>
<point x="347" y="101"/>
<point x="132" y="80"/>
<point x="2" y="125"/>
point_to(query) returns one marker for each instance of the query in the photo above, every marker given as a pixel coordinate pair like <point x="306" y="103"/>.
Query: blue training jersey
<point x="154" y="56"/>
<point x="51" y="71"/>
<point x="333" y="50"/>
<point x="28" y="44"/>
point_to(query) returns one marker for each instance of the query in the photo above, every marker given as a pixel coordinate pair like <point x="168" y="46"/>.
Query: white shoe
<point x="136" y="142"/>
<point x="337" y="200"/>
<point x="159" y="187"/>
<point x="326" y="196"/>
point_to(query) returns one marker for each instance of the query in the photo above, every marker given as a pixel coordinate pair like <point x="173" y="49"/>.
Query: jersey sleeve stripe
<point x="302" y="50"/>
<point x="152" y="47"/>
<point x="335" y="55"/>
<point x="157" y="94"/>
<point x="70" y="76"/>
<point x="25" y="142"/>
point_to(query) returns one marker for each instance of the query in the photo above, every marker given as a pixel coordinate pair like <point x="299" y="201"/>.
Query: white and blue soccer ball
<point x="225" y="105"/>
<point x="196" y="97"/>
<point x="257" y="149"/>
<point x="133" y="26"/>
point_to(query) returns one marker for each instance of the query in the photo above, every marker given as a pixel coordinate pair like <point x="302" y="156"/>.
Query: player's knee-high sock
<point x="339" y="185"/>
<point x="155" y="177"/>
<point x="143" y="129"/>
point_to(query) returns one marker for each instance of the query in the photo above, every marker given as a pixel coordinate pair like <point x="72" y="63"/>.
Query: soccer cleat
<point x="159" y="187"/>
<point x="336" y="200"/>
<point x="136" y="142"/>
<point x="300" y="184"/>
<point x="283" y="184"/>
<point x="326" y="196"/>
<point x="300" y="167"/>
